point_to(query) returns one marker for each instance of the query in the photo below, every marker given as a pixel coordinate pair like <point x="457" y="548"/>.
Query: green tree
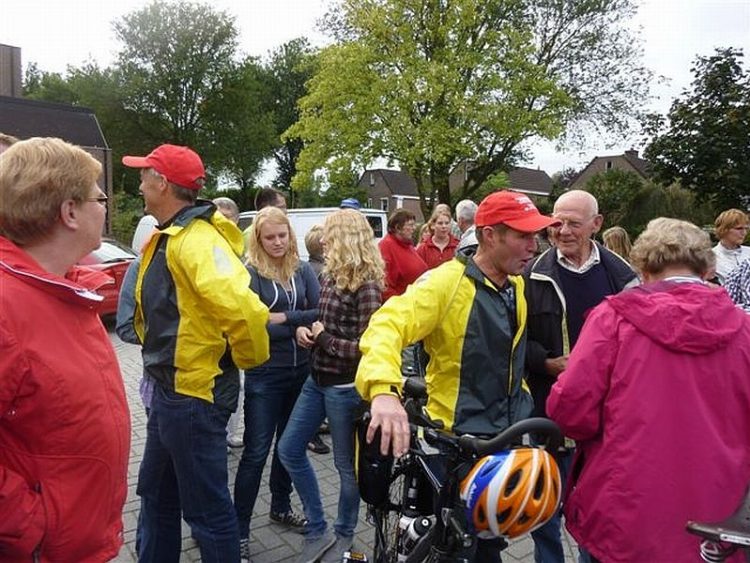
<point x="289" y="67"/>
<point x="432" y="83"/>
<point x="704" y="142"/>
<point x="614" y="190"/>
<point x="174" y="58"/>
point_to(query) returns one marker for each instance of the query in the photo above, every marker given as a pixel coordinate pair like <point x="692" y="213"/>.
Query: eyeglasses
<point x="102" y="199"/>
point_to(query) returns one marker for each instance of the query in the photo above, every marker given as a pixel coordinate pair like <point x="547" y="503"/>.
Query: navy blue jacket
<point x="300" y="304"/>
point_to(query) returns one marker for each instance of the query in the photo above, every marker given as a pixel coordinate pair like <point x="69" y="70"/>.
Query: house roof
<point x="400" y="183"/>
<point x="25" y="118"/>
<point x="641" y="165"/>
<point x="530" y="181"/>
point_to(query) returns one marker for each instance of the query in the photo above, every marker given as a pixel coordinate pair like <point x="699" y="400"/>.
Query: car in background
<point x="113" y="259"/>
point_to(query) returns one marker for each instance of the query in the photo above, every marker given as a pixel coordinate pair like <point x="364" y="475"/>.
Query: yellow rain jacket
<point x="475" y="335"/>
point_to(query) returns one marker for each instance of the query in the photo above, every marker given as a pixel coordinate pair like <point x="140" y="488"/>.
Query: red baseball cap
<point x="179" y="165"/>
<point x="513" y="209"/>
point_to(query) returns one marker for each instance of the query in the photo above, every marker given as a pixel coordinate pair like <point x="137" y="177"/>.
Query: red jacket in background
<point x="64" y="420"/>
<point x="656" y="395"/>
<point x="402" y="265"/>
<point x="432" y="255"/>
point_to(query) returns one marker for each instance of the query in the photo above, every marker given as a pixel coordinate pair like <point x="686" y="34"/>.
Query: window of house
<point x="384" y="203"/>
<point x="369" y="203"/>
<point x="609" y="165"/>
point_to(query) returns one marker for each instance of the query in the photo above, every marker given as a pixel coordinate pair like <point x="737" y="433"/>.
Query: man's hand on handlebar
<point x="388" y="415"/>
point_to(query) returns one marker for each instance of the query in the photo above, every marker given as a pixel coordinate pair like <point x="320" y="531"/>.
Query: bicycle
<point x="416" y="511"/>
<point x="720" y="540"/>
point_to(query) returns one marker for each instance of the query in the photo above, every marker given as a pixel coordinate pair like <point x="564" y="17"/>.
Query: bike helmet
<point x="511" y="493"/>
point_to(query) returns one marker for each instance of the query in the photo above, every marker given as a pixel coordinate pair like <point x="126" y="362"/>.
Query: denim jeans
<point x="548" y="539"/>
<point x="340" y="405"/>
<point x="270" y="394"/>
<point x="184" y="473"/>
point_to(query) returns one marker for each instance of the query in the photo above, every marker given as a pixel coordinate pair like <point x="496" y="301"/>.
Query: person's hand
<point x="305" y="337"/>
<point x="555" y="366"/>
<point x="277" y="318"/>
<point x="317" y="328"/>
<point x="389" y="415"/>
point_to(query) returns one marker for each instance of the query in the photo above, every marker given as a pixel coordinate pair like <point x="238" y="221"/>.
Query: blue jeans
<point x="184" y="472"/>
<point x="270" y="394"/>
<point x="340" y="405"/>
<point x="548" y="539"/>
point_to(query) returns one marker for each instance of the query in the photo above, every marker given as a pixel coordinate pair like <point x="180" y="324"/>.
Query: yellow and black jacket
<point x="475" y="374"/>
<point x="195" y="313"/>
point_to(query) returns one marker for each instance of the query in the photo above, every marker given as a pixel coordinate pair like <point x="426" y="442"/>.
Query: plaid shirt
<point x="737" y="285"/>
<point x="345" y="316"/>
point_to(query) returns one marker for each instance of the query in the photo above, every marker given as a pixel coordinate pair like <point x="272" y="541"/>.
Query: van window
<point x="376" y="222"/>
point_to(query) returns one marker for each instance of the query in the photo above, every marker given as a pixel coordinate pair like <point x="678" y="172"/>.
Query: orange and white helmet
<point x="511" y="493"/>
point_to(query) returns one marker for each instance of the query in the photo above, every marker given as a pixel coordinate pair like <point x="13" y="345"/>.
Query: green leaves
<point x="705" y="141"/>
<point x="433" y="83"/>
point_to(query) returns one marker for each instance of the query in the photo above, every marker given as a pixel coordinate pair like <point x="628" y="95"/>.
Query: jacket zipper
<point x="37" y="553"/>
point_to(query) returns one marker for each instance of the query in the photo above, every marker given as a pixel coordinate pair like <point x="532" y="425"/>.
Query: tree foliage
<point x="289" y="67"/>
<point x="614" y="190"/>
<point x="704" y="142"/>
<point x="432" y="83"/>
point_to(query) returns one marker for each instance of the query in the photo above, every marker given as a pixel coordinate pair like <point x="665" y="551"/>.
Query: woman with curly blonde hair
<point x="290" y="289"/>
<point x="350" y="294"/>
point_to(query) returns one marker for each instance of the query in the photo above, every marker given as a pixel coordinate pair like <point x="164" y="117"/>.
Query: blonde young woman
<point x="441" y="245"/>
<point x="290" y="289"/>
<point x="351" y="293"/>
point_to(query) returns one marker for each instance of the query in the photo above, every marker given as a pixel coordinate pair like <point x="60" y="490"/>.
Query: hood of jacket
<point x="690" y="318"/>
<point x="78" y="285"/>
<point x="207" y="211"/>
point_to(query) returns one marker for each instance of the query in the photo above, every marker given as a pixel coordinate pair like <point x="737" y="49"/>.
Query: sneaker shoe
<point x="245" y="551"/>
<point x="289" y="519"/>
<point x="336" y="553"/>
<point x="313" y="549"/>
<point x="318" y="446"/>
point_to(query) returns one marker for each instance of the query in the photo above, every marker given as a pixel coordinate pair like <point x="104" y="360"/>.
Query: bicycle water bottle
<point x="417" y="529"/>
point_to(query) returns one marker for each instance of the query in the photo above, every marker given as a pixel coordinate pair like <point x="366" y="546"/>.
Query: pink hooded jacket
<point x="657" y="395"/>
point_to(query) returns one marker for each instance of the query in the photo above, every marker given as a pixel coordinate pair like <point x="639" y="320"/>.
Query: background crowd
<point x="639" y="352"/>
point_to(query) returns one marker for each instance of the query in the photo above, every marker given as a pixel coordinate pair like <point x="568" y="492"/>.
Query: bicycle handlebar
<point x="477" y="446"/>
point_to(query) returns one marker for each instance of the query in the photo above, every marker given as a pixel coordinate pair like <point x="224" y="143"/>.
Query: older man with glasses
<point x="562" y="284"/>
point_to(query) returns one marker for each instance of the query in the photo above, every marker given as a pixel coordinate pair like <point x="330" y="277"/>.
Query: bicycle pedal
<point x="353" y="557"/>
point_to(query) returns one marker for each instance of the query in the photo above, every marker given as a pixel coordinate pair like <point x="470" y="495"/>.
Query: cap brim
<point x="135" y="162"/>
<point x="532" y="224"/>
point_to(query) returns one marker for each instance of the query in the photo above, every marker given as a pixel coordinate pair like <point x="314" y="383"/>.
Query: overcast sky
<point x="56" y="33"/>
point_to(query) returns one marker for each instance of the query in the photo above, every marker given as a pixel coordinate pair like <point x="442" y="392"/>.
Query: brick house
<point x="629" y="161"/>
<point x="394" y="189"/>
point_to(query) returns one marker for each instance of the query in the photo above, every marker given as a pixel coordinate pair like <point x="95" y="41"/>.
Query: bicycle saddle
<point x="415" y="387"/>
<point x="734" y="530"/>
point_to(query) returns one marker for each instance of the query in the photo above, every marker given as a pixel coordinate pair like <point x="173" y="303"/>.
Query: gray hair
<point x="466" y="210"/>
<point x="671" y="242"/>
<point x="227" y="207"/>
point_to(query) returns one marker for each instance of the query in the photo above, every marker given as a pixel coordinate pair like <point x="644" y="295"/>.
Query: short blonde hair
<point x="352" y="257"/>
<point x="728" y="220"/>
<point x="257" y="256"/>
<point x="672" y="242"/>
<point x="312" y="241"/>
<point x="36" y="177"/>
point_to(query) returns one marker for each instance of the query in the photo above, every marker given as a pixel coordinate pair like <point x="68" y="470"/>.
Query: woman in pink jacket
<point x="657" y="395"/>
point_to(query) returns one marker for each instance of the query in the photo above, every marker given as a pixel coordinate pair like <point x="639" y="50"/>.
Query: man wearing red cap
<point x="564" y="282"/>
<point x="198" y="321"/>
<point x="471" y="314"/>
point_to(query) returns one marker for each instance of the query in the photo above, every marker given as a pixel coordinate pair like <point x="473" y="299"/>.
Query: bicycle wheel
<point x="386" y="517"/>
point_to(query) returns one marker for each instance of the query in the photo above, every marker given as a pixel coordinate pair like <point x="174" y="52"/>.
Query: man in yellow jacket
<point x="198" y="322"/>
<point x="471" y="315"/>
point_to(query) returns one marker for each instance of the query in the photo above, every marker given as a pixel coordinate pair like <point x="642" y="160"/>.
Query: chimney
<point x="631" y="153"/>
<point x="10" y="71"/>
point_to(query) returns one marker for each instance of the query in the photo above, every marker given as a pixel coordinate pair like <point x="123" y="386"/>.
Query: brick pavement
<point x="269" y="542"/>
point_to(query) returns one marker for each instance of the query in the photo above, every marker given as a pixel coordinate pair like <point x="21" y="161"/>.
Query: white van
<point x="303" y="219"/>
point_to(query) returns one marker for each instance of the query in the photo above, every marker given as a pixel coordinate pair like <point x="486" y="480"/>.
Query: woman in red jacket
<point x="64" y="421"/>
<point x="439" y="246"/>
<point x="402" y="263"/>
